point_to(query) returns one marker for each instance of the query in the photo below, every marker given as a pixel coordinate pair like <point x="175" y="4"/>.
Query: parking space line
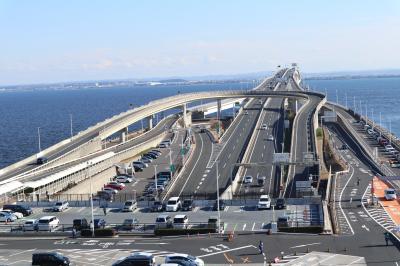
<point x="244" y="227"/>
<point x="252" y="229"/>
<point x="81" y="209"/>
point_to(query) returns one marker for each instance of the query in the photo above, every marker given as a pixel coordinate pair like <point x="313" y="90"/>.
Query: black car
<point x="344" y="147"/>
<point x="138" y="168"/>
<point x="222" y="205"/>
<point x="187" y="205"/>
<point x="80" y="224"/>
<point x="25" y="210"/>
<point x="49" y="259"/>
<point x="41" y="160"/>
<point x="165" y="174"/>
<point x="158" y="206"/>
<point x="280" y="204"/>
<point x="151" y="155"/>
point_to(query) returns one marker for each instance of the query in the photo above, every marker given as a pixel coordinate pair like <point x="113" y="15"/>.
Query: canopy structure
<point x="11" y="187"/>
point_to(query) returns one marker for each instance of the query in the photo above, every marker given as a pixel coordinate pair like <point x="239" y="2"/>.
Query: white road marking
<point x="365" y="227"/>
<point x="305" y="245"/>
<point x="227" y="250"/>
<point x="224" y="165"/>
<point x="81" y="209"/>
<point x="252" y="229"/>
<point x="244" y="227"/>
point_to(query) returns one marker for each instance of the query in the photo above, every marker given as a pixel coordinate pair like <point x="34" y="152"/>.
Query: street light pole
<point x="155" y="179"/>
<point x="40" y="148"/>
<point x="70" y="119"/>
<point x="89" y="164"/>
<point x="170" y="162"/>
<point x="219" y="213"/>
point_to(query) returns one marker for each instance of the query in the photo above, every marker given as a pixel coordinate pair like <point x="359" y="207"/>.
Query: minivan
<point x="49" y="259"/>
<point x="163" y="221"/>
<point x="80" y="224"/>
<point x="136" y="259"/>
<point x="173" y="204"/>
<point x="181" y="221"/>
<point x="129" y="206"/>
<point x="48" y="223"/>
<point x="25" y="210"/>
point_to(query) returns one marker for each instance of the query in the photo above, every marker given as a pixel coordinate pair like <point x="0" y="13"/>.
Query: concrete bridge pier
<point x="124" y="134"/>
<point x="150" y="122"/>
<point x="219" y="116"/>
<point x="185" y="118"/>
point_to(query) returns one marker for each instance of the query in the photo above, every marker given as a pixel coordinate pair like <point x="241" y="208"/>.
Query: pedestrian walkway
<point x="392" y="207"/>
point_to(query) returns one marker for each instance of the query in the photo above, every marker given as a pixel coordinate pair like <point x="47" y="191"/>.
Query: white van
<point x="181" y="221"/>
<point x="163" y="221"/>
<point x="173" y="204"/>
<point x="48" y="223"/>
<point x="390" y="194"/>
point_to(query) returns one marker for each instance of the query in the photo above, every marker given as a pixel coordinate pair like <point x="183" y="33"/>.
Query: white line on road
<point x="305" y="245"/>
<point x="226" y="250"/>
<point x="244" y="227"/>
<point x="224" y="165"/>
<point x="365" y="227"/>
<point x="252" y="229"/>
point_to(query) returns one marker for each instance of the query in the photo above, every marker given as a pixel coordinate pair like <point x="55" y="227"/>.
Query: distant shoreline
<point x="351" y="77"/>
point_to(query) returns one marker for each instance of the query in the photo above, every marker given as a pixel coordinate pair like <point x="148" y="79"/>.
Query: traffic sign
<point x="281" y="157"/>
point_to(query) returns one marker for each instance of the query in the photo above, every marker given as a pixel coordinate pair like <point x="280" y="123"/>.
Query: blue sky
<point x="47" y="41"/>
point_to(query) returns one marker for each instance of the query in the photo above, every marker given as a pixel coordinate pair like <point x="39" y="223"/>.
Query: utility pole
<point x="89" y="164"/>
<point x="155" y="179"/>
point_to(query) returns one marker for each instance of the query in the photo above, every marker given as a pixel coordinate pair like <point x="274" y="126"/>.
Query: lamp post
<point x="155" y="179"/>
<point x="170" y="162"/>
<point x="38" y="130"/>
<point x="89" y="164"/>
<point x="219" y="213"/>
<point x="70" y="120"/>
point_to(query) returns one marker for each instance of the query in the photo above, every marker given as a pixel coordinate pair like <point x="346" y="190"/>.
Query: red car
<point x="115" y="185"/>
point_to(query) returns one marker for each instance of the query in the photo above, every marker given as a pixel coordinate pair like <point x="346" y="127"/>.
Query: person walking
<point x="387" y="237"/>
<point x="73" y="232"/>
<point x="261" y="247"/>
<point x="105" y="210"/>
<point x="358" y="181"/>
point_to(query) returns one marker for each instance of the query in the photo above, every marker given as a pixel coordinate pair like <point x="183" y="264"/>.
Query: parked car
<point x="80" y="224"/>
<point x="222" y="205"/>
<point x="284" y="221"/>
<point x="163" y="221"/>
<point x="25" y="210"/>
<point x="390" y="194"/>
<point x="124" y="179"/>
<point x="180" y="221"/>
<point x="48" y="223"/>
<point x="394" y="163"/>
<point x="137" y="258"/>
<point x="280" y="204"/>
<point x="183" y="258"/>
<point x="99" y="223"/>
<point x="49" y="259"/>
<point x="41" y="160"/>
<point x="146" y="159"/>
<point x="140" y="164"/>
<point x="60" y="206"/>
<point x="105" y="195"/>
<point x="151" y="155"/>
<point x="6" y="217"/>
<point x="17" y="214"/>
<point x="248" y="179"/>
<point x="129" y="206"/>
<point x="115" y="185"/>
<point x="162" y="145"/>
<point x="173" y="204"/>
<point x="158" y="206"/>
<point x="264" y="126"/>
<point x="109" y="190"/>
<point x="164" y="174"/>
<point x="187" y="205"/>
<point x="264" y="202"/>
<point x="129" y="224"/>
<point x="270" y="138"/>
<point x="30" y="225"/>
<point x="156" y="151"/>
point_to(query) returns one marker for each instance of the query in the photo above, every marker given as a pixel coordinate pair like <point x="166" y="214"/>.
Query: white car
<point x="129" y="206"/>
<point x="6" y="217"/>
<point x="248" y="179"/>
<point x="390" y="194"/>
<point x="60" y="206"/>
<point x="30" y="225"/>
<point x="123" y="179"/>
<point x="180" y="221"/>
<point x="48" y="223"/>
<point x="264" y="126"/>
<point x="264" y="202"/>
<point x="270" y="138"/>
<point x="182" y="258"/>
<point x="16" y="214"/>
<point x="173" y="204"/>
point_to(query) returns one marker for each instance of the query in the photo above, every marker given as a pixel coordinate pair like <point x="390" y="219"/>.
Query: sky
<point x="58" y="41"/>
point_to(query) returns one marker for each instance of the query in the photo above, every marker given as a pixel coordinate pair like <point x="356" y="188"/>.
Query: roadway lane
<point x="157" y="130"/>
<point x="301" y="144"/>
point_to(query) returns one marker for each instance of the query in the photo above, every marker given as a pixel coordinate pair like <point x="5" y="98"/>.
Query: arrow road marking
<point x="365" y="227"/>
<point x="305" y="245"/>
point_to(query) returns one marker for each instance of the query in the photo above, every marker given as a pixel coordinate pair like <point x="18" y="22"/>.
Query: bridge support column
<point x="185" y="118"/>
<point x="150" y="122"/>
<point x="124" y="134"/>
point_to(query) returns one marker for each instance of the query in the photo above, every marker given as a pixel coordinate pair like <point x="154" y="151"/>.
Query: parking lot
<point x="235" y="218"/>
